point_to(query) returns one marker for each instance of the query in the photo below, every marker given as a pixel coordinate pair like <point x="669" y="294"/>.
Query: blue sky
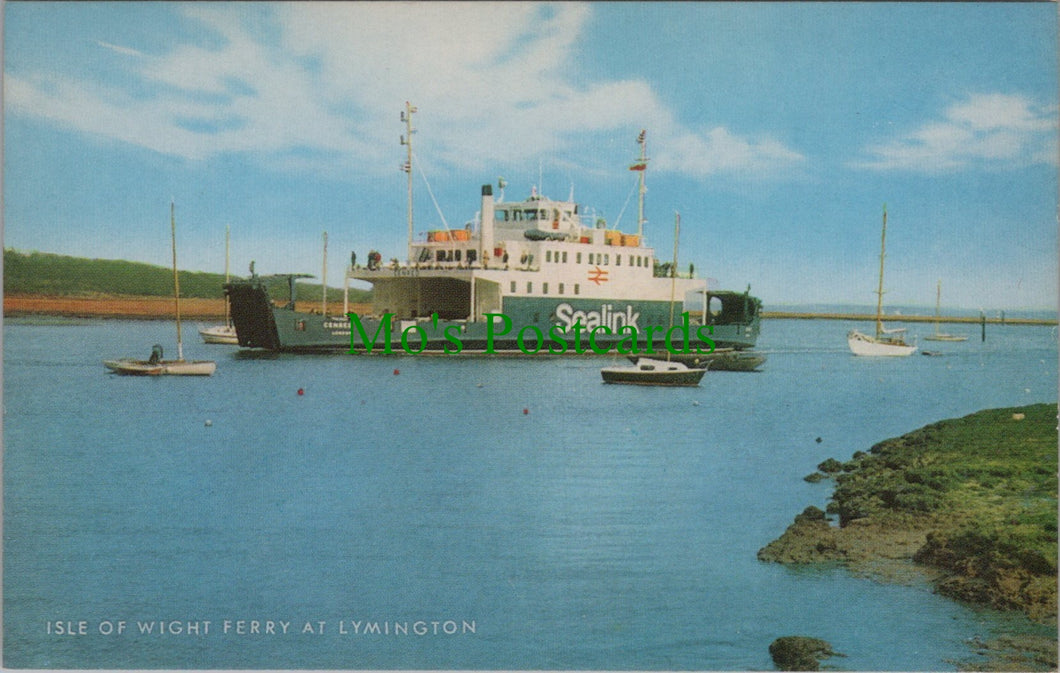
<point x="777" y="130"/>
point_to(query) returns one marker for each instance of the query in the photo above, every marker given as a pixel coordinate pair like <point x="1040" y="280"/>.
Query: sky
<point x="778" y="131"/>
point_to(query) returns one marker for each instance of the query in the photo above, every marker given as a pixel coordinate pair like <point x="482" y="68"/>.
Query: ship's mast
<point x="641" y="166"/>
<point x="406" y="140"/>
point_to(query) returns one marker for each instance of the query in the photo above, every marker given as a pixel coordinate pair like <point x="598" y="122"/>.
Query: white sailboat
<point x="226" y="333"/>
<point x="156" y="365"/>
<point x="939" y="335"/>
<point x="886" y="342"/>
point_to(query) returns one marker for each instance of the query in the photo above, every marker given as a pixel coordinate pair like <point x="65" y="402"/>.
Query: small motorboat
<point x="720" y="360"/>
<point x="652" y="372"/>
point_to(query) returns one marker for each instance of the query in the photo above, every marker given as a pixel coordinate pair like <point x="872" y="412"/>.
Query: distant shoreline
<point x="161" y="308"/>
<point x="796" y="315"/>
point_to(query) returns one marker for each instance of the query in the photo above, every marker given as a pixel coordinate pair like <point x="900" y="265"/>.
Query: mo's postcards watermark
<point x="626" y="338"/>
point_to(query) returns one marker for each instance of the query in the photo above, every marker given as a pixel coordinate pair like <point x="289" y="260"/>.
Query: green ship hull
<point x="523" y="326"/>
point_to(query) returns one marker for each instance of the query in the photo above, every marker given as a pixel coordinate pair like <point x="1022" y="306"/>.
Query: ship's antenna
<point x="641" y="166"/>
<point x="406" y="140"/>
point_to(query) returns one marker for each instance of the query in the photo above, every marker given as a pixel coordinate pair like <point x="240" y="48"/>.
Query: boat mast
<point x="879" y="290"/>
<point x="641" y="167"/>
<point x="228" y="311"/>
<point x="406" y="140"/>
<point x="176" y="278"/>
<point x="324" y="280"/>
<point x="938" y="301"/>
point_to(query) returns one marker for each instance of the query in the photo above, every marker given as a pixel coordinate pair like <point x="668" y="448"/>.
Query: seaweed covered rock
<point x="811" y="539"/>
<point x="800" y="653"/>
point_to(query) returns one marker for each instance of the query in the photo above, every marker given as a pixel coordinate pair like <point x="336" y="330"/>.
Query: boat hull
<point x="865" y="345"/>
<point x="261" y="324"/>
<point x="945" y="337"/>
<point x="219" y="334"/>
<point x="723" y="360"/>
<point x="648" y="372"/>
<point x="130" y="367"/>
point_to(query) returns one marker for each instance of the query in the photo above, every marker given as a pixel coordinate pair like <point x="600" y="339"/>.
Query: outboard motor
<point x="156" y="354"/>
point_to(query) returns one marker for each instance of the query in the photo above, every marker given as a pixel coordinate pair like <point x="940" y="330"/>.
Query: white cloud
<point x="500" y="81"/>
<point x="127" y="51"/>
<point x="987" y="130"/>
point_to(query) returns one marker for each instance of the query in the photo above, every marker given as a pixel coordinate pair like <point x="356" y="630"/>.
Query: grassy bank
<point x="45" y="274"/>
<point x="970" y="501"/>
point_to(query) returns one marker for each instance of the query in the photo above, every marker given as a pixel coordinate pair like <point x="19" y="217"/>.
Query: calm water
<point x="608" y="527"/>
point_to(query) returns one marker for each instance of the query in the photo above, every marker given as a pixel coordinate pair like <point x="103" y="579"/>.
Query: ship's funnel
<point x="486" y="223"/>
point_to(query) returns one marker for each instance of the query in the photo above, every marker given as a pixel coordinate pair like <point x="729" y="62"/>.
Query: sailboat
<point x="156" y="365"/>
<point x="886" y="342"/>
<point x="653" y="371"/>
<point x="938" y="335"/>
<point x="226" y="333"/>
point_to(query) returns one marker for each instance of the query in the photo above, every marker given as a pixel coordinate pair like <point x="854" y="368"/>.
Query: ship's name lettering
<point x="607" y="316"/>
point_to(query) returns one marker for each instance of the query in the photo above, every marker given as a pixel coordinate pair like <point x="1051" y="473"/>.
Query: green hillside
<point x="58" y="275"/>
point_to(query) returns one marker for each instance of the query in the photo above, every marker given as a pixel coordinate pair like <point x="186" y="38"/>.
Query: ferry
<point x="536" y="276"/>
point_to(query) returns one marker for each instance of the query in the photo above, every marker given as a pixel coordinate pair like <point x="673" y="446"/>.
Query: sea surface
<point x="344" y="512"/>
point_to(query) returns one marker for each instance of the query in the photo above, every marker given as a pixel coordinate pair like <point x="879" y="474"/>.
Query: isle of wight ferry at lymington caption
<point x="539" y="263"/>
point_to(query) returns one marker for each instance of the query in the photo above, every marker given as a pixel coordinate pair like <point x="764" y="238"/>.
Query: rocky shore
<point x="968" y="504"/>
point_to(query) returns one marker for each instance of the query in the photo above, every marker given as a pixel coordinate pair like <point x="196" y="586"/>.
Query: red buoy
<point x="301" y="391"/>
<point x="526" y="412"/>
<point x="396" y="372"/>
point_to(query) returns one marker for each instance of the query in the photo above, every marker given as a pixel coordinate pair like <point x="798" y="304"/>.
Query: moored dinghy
<point x="226" y="333"/>
<point x="156" y="365"/>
